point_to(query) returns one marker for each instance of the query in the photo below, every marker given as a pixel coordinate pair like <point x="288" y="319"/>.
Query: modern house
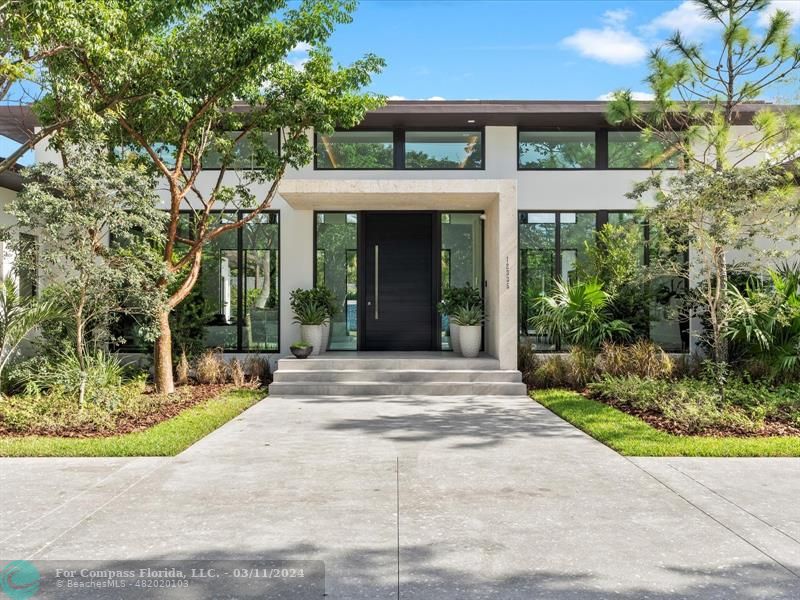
<point x="499" y="195"/>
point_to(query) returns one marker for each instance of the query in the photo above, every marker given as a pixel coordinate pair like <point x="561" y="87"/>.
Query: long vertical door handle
<point x="377" y="273"/>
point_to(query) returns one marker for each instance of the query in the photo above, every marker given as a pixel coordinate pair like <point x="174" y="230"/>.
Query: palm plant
<point x="309" y="307"/>
<point x="578" y="314"/>
<point x="470" y="315"/>
<point x="764" y="321"/>
<point x="18" y="317"/>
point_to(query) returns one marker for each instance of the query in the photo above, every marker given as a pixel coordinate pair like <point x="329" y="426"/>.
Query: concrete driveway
<point x="497" y="497"/>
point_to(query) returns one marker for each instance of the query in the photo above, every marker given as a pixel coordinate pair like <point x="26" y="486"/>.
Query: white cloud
<point x="635" y="95"/>
<point x="790" y="6"/>
<point x="298" y="56"/>
<point x="616" y="18"/>
<point x="396" y="98"/>
<point x="686" y="18"/>
<point x="436" y="98"/>
<point x="612" y="44"/>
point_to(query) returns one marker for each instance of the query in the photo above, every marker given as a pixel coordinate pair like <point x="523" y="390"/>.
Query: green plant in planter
<point x="308" y="308"/>
<point x="454" y="298"/>
<point x="325" y="296"/>
<point x="468" y="316"/>
<point x="300" y="344"/>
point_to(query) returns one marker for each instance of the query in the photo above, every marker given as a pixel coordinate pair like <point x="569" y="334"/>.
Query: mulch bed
<point x="162" y="409"/>
<point x="658" y="421"/>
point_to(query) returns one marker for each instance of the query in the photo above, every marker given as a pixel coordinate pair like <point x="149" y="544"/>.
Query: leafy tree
<point x="723" y="204"/>
<point x="74" y="210"/>
<point x="180" y="86"/>
<point x="18" y="317"/>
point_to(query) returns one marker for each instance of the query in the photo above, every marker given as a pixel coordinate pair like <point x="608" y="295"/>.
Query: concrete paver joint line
<point x="729" y="501"/>
<point x="713" y="518"/>
<point x="88" y="516"/>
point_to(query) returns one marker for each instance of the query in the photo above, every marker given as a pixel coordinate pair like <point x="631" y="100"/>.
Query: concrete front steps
<point x="388" y="374"/>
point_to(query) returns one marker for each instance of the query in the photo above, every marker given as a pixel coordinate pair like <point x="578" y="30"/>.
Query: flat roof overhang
<point x="394" y="194"/>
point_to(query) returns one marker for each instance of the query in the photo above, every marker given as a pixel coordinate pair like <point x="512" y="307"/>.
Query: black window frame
<point x="239" y="283"/>
<point x="601" y="151"/>
<point x="203" y="167"/>
<point x="399" y="149"/>
<point x="601" y="218"/>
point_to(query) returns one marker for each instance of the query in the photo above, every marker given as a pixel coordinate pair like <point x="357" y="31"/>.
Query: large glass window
<point x="261" y="277"/>
<point x="462" y="257"/>
<point x="554" y="244"/>
<point x="355" y="150"/>
<point x="634" y="150"/>
<point x="443" y="150"/>
<point x="337" y="268"/>
<point x="556" y="150"/>
<point x="537" y="269"/>
<point x="251" y="152"/>
<point x="239" y="284"/>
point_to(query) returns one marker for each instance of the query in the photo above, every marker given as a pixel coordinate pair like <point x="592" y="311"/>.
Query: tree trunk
<point x="162" y="355"/>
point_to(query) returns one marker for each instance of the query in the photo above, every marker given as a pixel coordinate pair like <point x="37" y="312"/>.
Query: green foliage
<point x="326" y="297"/>
<point x="18" y="317"/>
<point x="694" y="406"/>
<point x="94" y="380"/>
<point x="309" y="307"/>
<point x="468" y="316"/>
<point x="527" y="362"/>
<point x="578" y="314"/>
<point x="168" y="438"/>
<point x="188" y="323"/>
<point x="614" y="257"/>
<point x="300" y="344"/>
<point x="454" y="298"/>
<point x="552" y="372"/>
<point x="764" y="324"/>
<point x="631" y="436"/>
<point x="74" y="210"/>
<point x="641" y="358"/>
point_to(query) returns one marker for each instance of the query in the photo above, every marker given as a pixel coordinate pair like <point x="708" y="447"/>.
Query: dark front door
<point x="398" y="275"/>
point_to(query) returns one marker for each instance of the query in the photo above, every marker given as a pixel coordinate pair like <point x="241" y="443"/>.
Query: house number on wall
<point x="508" y="274"/>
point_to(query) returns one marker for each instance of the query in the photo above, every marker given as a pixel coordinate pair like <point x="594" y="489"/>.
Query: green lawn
<point x="631" y="436"/>
<point x="168" y="438"/>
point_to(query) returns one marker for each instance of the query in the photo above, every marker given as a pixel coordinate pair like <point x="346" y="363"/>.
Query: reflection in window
<point x="537" y="269"/>
<point x="461" y="255"/>
<point x="260" y="274"/>
<point x="219" y="281"/>
<point x="443" y="149"/>
<point x="337" y="269"/>
<point x="634" y="150"/>
<point x="556" y="150"/>
<point x="576" y="230"/>
<point x="355" y="150"/>
<point x="251" y="152"/>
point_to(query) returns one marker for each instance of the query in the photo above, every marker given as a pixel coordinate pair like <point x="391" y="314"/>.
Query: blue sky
<point x="522" y="49"/>
<point x="495" y="49"/>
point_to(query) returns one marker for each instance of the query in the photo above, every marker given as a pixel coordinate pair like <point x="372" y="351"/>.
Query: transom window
<point x="400" y="149"/>
<point x="557" y="150"/>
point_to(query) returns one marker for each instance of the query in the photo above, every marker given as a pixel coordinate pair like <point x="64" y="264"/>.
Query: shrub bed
<point x="694" y="407"/>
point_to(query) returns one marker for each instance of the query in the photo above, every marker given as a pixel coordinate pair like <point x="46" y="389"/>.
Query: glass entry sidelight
<point x="336" y="266"/>
<point x="461" y="257"/>
<point x="398" y="293"/>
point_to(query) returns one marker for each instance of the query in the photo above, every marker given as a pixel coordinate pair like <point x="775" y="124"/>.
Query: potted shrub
<point x="301" y="349"/>
<point x="454" y="298"/>
<point x="325" y="296"/>
<point x="470" y="322"/>
<point x="311" y="314"/>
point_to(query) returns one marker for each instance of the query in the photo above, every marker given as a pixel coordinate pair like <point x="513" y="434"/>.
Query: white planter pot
<point x="455" y="343"/>
<point x="470" y="339"/>
<point x="326" y="336"/>
<point x="312" y="334"/>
